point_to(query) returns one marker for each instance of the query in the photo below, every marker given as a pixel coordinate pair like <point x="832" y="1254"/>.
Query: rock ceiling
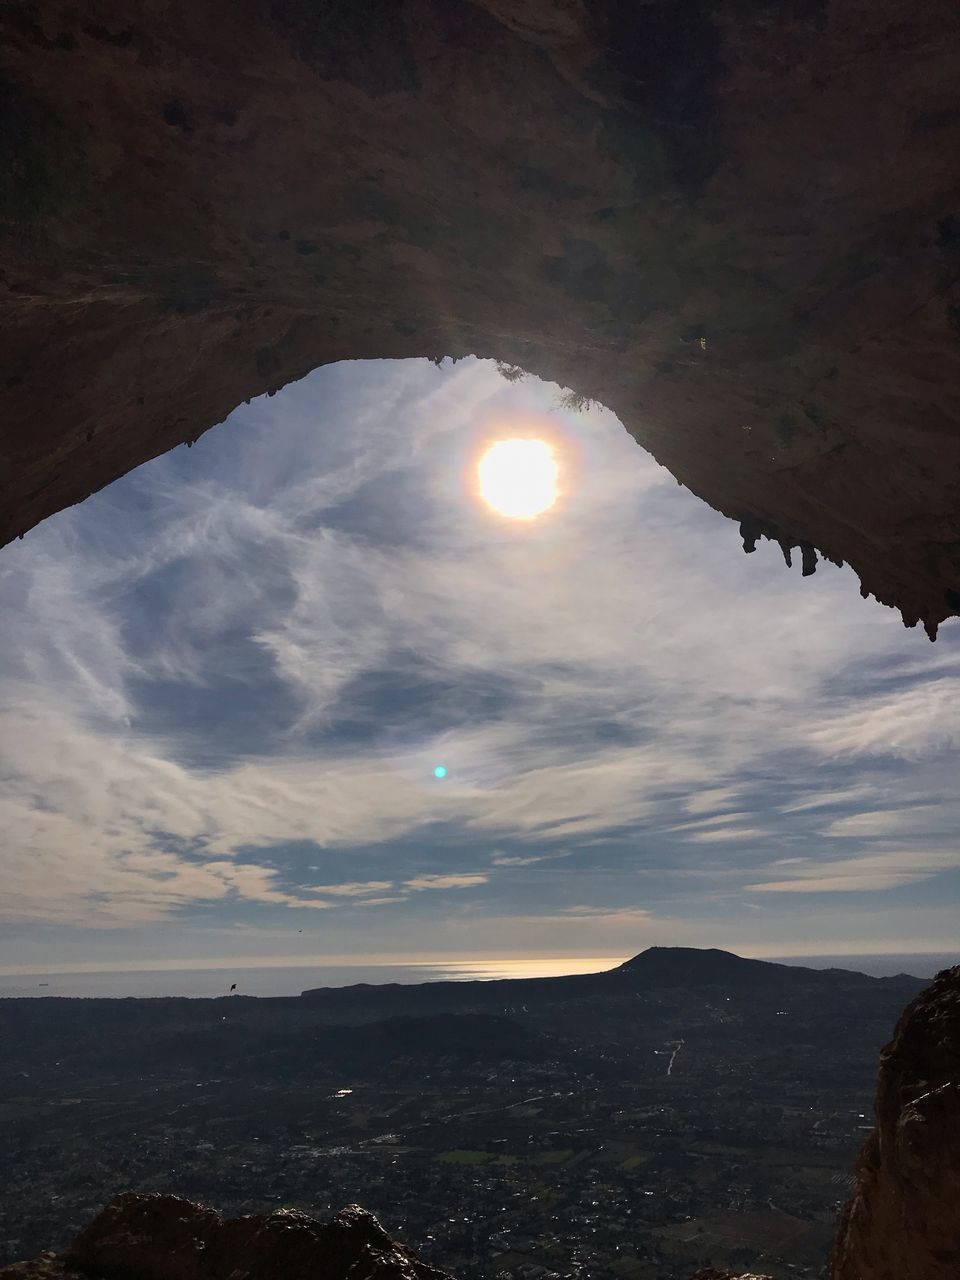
<point x="736" y="223"/>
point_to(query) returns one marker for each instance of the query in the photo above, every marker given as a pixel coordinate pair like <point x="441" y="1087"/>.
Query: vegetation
<point x="575" y="401"/>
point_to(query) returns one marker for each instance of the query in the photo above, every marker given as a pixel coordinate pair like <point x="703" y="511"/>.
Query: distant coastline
<point x="291" y="980"/>
<point x="918" y="964"/>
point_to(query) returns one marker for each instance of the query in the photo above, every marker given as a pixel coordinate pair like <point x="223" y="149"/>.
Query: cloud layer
<point x="228" y="679"/>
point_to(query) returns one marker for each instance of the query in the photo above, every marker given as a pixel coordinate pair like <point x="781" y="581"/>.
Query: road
<point x="673" y="1056"/>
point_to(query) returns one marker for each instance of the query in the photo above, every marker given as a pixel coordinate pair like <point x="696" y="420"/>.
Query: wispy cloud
<point x="866" y="874"/>
<point x="910" y="723"/>
<point x="445" y="882"/>
<point x="717" y="798"/>
<point x="267" y="645"/>
<point x="728" y="835"/>
<point x="356" y="890"/>
<point x="845" y="797"/>
<point x="526" y="860"/>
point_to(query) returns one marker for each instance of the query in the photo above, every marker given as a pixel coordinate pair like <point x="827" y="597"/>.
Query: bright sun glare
<point x="518" y="478"/>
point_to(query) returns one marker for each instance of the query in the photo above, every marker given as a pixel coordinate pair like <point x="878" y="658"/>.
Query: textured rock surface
<point x="156" y="1237"/>
<point x="903" y="1222"/>
<point x="47" y="1267"/>
<point x="711" y="1273"/>
<point x="736" y="222"/>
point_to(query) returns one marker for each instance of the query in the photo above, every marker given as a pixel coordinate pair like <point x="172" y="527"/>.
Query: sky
<point x="227" y="681"/>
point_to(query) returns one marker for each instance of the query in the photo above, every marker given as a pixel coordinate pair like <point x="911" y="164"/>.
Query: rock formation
<point x="711" y="1273"/>
<point x="157" y="1237"/>
<point x="735" y="222"/>
<point x="903" y="1222"/>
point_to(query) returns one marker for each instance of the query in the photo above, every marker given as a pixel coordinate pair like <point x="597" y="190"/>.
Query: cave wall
<point x="735" y="222"/>
<point x="903" y="1220"/>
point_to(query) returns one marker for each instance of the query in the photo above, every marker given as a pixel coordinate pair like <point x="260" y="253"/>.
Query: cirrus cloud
<point x="229" y="677"/>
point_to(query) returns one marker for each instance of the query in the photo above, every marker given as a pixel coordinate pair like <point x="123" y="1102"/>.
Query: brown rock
<point x="735" y="224"/>
<point x="711" y="1273"/>
<point x="158" y="1237"/>
<point x="903" y="1221"/>
<point x="47" y="1267"/>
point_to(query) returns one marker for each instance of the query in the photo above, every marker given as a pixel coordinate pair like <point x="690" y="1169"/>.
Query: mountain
<point x="696" y="966"/>
<point x="656" y="969"/>
<point x="708" y="966"/>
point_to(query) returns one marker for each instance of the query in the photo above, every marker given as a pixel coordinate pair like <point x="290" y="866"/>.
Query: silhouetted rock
<point x="734" y="223"/>
<point x="711" y="1273"/>
<point x="655" y="968"/>
<point x="159" y="1237"/>
<point x="47" y="1267"/>
<point x="694" y="966"/>
<point x="903" y="1221"/>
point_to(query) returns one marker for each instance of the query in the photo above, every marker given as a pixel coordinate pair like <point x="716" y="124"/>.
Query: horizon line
<point x="420" y="962"/>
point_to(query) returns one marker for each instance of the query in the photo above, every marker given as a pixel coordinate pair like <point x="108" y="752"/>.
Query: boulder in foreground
<point x="160" y="1237"/>
<point x="712" y="1274"/>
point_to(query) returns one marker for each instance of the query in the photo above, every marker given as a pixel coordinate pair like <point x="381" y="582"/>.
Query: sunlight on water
<point x="529" y="967"/>
<point x="279" y="979"/>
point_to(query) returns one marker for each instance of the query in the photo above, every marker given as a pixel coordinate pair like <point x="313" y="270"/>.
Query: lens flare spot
<point x="439" y="771"/>
<point x="518" y="478"/>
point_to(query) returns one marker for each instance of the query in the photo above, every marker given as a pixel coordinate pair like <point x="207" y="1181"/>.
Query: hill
<point x="655" y="970"/>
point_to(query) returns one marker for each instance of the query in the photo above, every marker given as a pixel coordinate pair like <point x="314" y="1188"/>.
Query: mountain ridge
<point x="654" y="967"/>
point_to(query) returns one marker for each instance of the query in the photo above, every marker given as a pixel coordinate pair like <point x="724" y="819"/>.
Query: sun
<point x="518" y="478"/>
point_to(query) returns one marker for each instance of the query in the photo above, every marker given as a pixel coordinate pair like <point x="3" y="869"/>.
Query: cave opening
<point x="303" y="665"/>
<point x="297" y="707"/>
<point x="259" y="699"/>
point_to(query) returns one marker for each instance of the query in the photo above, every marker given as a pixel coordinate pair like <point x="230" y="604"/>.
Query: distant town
<point x="633" y="1135"/>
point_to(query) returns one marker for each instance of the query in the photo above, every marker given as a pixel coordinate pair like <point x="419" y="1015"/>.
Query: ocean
<point x="283" y="980"/>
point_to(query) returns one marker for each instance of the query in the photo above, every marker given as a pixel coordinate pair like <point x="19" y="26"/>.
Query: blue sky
<point x="227" y="680"/>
